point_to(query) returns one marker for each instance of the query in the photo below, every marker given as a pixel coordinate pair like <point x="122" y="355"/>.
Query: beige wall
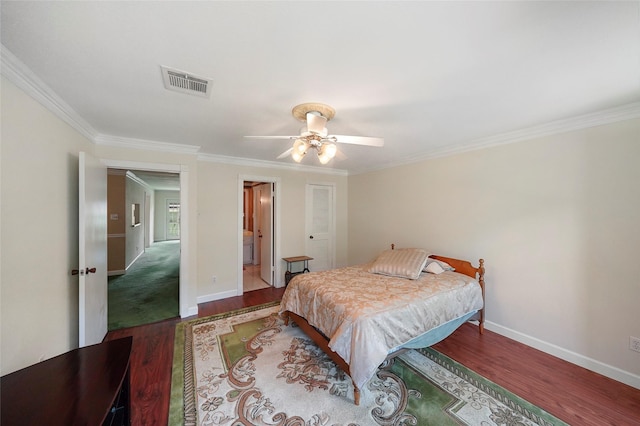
<point x="557" y="220"/>
<point x="213" y="237"/>
<point x="39" y="297"/>
<point x="116" y="239"/>
<point x="39" y="229"/>
<point x="219" y="221"/>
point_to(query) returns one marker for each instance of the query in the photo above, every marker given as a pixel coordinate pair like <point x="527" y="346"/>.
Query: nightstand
<point x="291" y="261"/>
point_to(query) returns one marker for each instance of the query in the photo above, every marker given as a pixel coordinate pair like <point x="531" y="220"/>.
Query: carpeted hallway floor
<point x="149" y="291"/>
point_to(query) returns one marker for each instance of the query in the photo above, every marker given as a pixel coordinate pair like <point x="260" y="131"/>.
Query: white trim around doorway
<point x="186" y="309"/>
<point x="278" y="281"/>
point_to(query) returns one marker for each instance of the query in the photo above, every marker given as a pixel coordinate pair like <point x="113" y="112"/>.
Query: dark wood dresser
<point x="86" y="386"/>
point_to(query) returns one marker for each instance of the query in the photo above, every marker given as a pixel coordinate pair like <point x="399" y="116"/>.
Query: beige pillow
<point x="404" y="263"/>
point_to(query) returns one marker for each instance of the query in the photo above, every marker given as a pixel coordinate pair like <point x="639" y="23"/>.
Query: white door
<point x="320" y="226"/>
<point x="265" y="232"/>
<point x="173" y="219"/>
<point x="92" y="249"/>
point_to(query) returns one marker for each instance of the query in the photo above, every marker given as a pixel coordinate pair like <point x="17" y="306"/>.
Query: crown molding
<point x="145" y="144"/>
<point x="130" y="175"/>
<point x="600" y="118"/>
<point x="19" y="74"/>
<point x="249" y="162"/>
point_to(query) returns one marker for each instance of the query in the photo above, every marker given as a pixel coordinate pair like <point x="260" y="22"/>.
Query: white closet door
<point x="320" y="226"/>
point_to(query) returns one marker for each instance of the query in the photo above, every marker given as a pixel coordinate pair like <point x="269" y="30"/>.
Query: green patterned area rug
<point x="247" y="368"/>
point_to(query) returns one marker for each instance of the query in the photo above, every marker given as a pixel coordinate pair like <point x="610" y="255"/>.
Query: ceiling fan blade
<point x="358" y="140"/>
<point x="316" y="123"/>
<point x="270" y="137"/>
<point x="285" y="154"/>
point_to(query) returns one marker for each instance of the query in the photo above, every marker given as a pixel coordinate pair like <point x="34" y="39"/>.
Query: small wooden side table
<point x="295" y="259"/>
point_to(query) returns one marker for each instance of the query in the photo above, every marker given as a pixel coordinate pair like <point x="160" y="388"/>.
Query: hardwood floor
<point x="571" y="393"/>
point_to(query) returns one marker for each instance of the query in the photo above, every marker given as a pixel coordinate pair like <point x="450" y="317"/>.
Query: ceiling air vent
<point x="183" y="82"/>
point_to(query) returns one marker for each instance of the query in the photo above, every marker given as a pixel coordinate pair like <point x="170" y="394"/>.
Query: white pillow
<point x="434" y="268"/>
<point x="403" y="263"/>
<point x="444" y="265"/>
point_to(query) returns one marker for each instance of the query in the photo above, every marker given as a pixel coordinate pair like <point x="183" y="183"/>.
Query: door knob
<point x="85" y="272"/>
<point x="311" y="237"/>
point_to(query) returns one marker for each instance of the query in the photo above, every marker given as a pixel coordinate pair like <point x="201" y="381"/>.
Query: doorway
<point x="143" y="247"/>
<point x="259" y="231"/>
<point x="183" y="173"/>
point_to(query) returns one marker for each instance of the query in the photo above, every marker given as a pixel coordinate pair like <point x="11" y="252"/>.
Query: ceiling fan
<point x="316" y="136"/>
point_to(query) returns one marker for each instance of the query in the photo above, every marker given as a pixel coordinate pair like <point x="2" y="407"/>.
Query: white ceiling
<point x="428" y="77"/>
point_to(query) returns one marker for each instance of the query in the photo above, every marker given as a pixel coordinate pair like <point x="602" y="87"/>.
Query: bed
<point x="363" y="314"/>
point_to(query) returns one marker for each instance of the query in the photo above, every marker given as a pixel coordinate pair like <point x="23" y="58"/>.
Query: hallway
<point x="149" y="291"/>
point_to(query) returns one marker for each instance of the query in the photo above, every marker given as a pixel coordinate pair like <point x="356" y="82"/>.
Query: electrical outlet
<point x="215" y="279"/>
<point x="634" y="343"/>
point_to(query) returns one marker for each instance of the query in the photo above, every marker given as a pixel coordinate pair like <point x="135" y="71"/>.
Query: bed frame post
<point x="481" y="281"/>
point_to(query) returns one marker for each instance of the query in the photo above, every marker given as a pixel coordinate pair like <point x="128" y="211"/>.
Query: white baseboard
<point x="567" y="355"/>
<point x="134" y="260"/>
<point x="188" y="311"/>
<point x="217" y="296"/>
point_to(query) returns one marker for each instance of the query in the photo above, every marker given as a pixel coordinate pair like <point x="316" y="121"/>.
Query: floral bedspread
<point x="366" y="315"/>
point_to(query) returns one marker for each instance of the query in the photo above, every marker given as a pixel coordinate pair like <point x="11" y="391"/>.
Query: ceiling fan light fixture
<point x="300" y="147"/>
<point x="330" y="149"/>
<point x="314" y="134"/>
<point x="323" y="159"/>
<point x="326" y="152"/>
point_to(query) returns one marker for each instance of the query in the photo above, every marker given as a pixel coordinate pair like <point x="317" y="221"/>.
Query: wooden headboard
<point x="465" y="267"/>
<point x="461" y="266"/>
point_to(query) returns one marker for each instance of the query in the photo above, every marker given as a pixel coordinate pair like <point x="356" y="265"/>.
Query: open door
<point x="265" y="232"/>
<point x="92" y="249"/>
